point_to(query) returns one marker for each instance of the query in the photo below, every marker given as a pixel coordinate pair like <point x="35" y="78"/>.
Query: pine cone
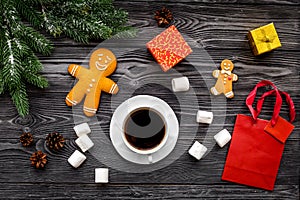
<point x="26" y="139"/>
<point x="163" y="17"/>
<point x="38" y="159"/>
<point x="55" y="141"/>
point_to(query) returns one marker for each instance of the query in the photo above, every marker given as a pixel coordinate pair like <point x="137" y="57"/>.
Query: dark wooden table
<point x="220" y="28"/>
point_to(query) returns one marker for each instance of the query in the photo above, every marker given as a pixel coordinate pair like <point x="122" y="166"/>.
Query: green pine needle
<point x="37" y="80"/>
<point x="36" y="41"/>
<point x="27" y="10"/>
<point x="83" y="20"/>
<point x="20" y="99"/>
<point x="1" y="82"/>
<point x="125" y="32"/>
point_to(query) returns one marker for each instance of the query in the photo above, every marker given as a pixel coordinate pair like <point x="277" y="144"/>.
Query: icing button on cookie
<point x="88" y="90"/>
<point x="93" y="80"/>
<point x="91" y="85"/>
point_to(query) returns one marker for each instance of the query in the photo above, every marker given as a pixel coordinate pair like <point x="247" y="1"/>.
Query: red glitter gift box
<point x="169" y="48"/>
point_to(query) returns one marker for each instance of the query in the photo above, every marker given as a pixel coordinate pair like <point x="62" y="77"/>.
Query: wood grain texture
<point x="93" y="191"/>
<point x="257" y="2"/>
<point x="185" y="170"/>
<point x="220" y="27"/>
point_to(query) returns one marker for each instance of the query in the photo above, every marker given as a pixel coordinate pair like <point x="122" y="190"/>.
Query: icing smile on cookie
<point x="102" y="67"/>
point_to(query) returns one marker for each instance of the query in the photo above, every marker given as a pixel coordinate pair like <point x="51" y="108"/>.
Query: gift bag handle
<point x="251" y="97"/>
<point x="288" y="100"/>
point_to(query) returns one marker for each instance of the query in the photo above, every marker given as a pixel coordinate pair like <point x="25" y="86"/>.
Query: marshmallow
<point x="204" y="117"/>
<point x="76" y="159"/>
<point x="101" y="175"/>
<point x="197" y="150"/>
<point x="84" y="142"/>
<point x="180" y="84"/>
<point x="82" y="129"/>
<point x="222" y="138"/>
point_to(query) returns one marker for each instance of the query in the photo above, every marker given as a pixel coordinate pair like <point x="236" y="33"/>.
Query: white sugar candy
<point x="204" y="117"/>
<point x="82" y="129"/>
<point x="84" y="142"/>
<point x="76" y="159"/>
<point x="101" y="175"/>
<point x="222" y="138"/>
<point x="197" y="150"/>
<point x="180" y="84"/>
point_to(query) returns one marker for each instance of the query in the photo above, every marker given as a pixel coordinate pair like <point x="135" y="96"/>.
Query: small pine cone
<point x="26" y="139"/>
<point x="163" y="17"/>
<point x="38" y="159"/>
<point x="55" y="141"/>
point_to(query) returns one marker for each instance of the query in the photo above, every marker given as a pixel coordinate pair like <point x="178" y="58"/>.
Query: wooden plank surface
<point x="220" y="27"/>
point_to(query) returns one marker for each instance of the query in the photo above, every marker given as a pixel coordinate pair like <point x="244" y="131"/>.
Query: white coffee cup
<point x="159" y="111"/>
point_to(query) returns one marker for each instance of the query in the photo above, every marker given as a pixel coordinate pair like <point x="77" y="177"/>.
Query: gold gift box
<point x="263" y="39"/>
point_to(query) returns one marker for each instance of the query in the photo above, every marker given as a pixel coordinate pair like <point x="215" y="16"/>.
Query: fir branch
<point x="27" y="9"/>
<point x="21" y="48"/>
<point x="51" y="24"/>
<point x="2" y="35"/>
<point x="78" y="36"/>
<point x="12" y="68"/>
<point x="125" y="32"/>
<point x="1" y="82"/>
<point x="20" y="99"/>
<point x="32" y="66"/>
<point x="1" y="58"/>
<point x="79" y="19"/>
<point x="36" y="80"/>
<point x="36" y="41"/>
<point x="84" y="20"/>
<point x="18" y="62"/>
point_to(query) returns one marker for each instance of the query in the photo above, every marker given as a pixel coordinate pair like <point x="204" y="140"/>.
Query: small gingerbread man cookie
<point x="92" y="81"/>
<point x="225" y="78"/>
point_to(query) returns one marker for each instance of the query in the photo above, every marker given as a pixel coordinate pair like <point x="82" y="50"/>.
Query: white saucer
<point x="131" y="104"/>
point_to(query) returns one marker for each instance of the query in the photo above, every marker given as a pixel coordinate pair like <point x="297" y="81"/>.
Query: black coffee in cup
<point x="144" y="128"/>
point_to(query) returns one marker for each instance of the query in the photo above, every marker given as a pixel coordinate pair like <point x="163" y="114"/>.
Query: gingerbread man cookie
<point x="92" y="81"/>
<point x="225" y="78"/>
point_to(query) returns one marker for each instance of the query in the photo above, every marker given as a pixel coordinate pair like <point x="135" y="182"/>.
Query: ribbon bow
<point x="267" y="38"/>
<point x="225" y="72"/>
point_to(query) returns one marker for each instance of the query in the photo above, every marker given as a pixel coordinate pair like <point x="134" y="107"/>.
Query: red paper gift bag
<point x="254" y="155"/>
